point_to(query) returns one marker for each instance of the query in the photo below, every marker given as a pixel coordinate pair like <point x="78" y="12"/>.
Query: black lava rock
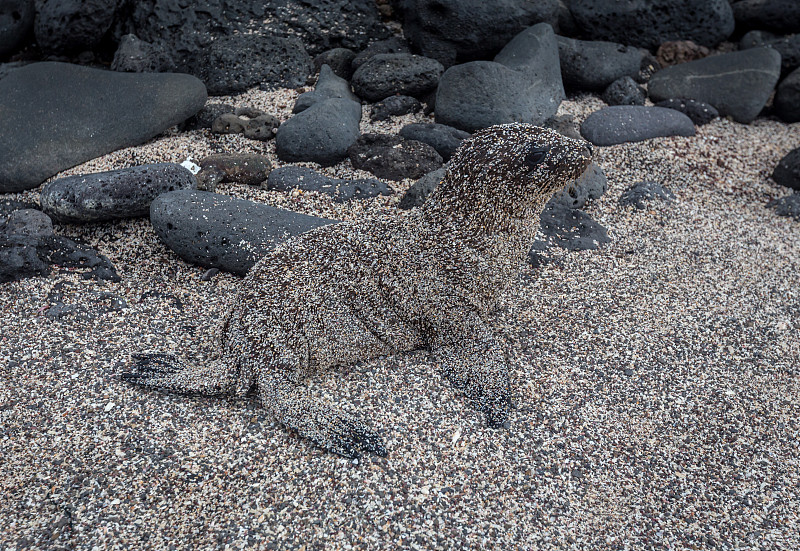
<point x="571" y="229"/>
<point x="737" y="84"/>
<point x="522" y="84"/>
<point x="328" y="86"/>
<point x="321" y="134"/>
<point x="124" y="193"/>
<point x="16" y="23"/>
<point x="394" y="106"/>
<point x="392" y="157"/>
<point x="338" y="59"/>
<point x="392" y="45"/>
<point x="186" y="28"/>
<point x="385" y="75"/>
<point x="787" y="206"/>
<point x="624" y="91"/>
<point x="85" y="113"/>
<point x="72" y="25"/>
<point x="648" y="24"/>
<point x="787" y="171"/>
<point x="593" y="65"/>
<point x="419" y="191"/>
<point x="591" y="185"/>
<point x="288" y="178"/>
<point x="787" y="98"/>
<point x="465" y="30"/>
<point x="640" y="193"/>
<point x="218" y="231"/>
<point x="700" y="113"/>
<point x="444" y="139"/>
<point x="232" y="64"/>
<point x="772" y="15"/>
<point x="137" y="56"/>
<point x="634" y="123"/>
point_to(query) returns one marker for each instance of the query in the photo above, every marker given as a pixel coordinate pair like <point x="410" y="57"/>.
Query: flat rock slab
<point x="737" y="84"/>
<point x="642" y="193"/>
<point x="218" y="231"/>
<point x="634" y="123"/>
<point x="111" y="195"/>
<point x="56" y="115"/>
<point x="287" y="178"/>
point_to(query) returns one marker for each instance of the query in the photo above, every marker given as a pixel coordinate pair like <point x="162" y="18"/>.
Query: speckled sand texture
<point x="657" y="384"/>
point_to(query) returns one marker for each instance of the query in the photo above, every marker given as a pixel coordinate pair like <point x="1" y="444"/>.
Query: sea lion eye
<point x="536" y="155"/>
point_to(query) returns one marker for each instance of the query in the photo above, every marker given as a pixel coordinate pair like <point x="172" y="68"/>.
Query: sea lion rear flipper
<point x="315" y="419"/>
<point x="167" y="373"/>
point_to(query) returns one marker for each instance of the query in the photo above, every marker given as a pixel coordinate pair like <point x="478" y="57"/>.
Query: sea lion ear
<point x="536" y="155"/>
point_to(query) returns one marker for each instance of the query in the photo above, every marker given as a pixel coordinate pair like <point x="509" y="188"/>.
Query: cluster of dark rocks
<point x="115" y="73"/>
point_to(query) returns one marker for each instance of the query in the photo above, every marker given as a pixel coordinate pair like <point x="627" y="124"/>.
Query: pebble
<point x="245" y="168"/>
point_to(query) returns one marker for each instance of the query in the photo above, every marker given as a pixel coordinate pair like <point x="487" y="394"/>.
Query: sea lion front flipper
<point x="315" y="419"/>
<point x="473" y="360"/>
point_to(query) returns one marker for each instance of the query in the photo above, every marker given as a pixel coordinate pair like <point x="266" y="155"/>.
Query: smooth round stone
<point x="634" y="123"/>
<point x="219" y="231"/>
<point x="320" y="134"/>
<point x="737" y="84"/>
<point x="124" y="193"/>
<point x="58" y="115"/>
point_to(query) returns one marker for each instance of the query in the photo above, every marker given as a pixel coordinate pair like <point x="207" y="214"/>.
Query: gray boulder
<point x="57" y="115"/>
<point x="16" y="23"/>
<point x="394" y="106"/>
<point x="648" y="24"/>
<point x="593" y="65"/>
<point x="737" y="84"/>
<point x="787" y="98"/>
<point x="385" y="75"/>
<point x="444" y="139"/>
<point x="124" y="193"/>
<point x="522" y="84"/>
<point x="329" y="86"/>
<point x="391" y="45"/>
<point x="465" y="30"/>
<point x="218" y="231"/>
<point x="634" y="123"/>
<point x="787" y="46"/>
<point x="338" y="59"/>
<point x="320" y="134"/>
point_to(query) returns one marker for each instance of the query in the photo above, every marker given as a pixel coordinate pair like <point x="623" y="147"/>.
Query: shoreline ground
<point x="656" y="380"/>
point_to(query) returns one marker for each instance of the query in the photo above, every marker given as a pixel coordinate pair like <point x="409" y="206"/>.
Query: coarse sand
<point x="656" y="383"/>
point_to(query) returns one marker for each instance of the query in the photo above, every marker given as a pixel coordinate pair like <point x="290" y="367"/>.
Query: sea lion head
<point x="510" y="171"/>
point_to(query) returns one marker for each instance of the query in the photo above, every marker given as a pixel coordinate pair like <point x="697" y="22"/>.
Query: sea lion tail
<point x="170" y="374"/>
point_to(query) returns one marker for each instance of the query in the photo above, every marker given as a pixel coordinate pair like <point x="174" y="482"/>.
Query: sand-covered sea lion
<point x="351" y="291"/>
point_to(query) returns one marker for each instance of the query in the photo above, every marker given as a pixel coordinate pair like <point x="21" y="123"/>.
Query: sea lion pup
<point x="351" y="291"/>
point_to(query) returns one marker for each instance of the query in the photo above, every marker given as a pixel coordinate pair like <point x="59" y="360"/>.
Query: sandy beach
<point x="656" y="383"/>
